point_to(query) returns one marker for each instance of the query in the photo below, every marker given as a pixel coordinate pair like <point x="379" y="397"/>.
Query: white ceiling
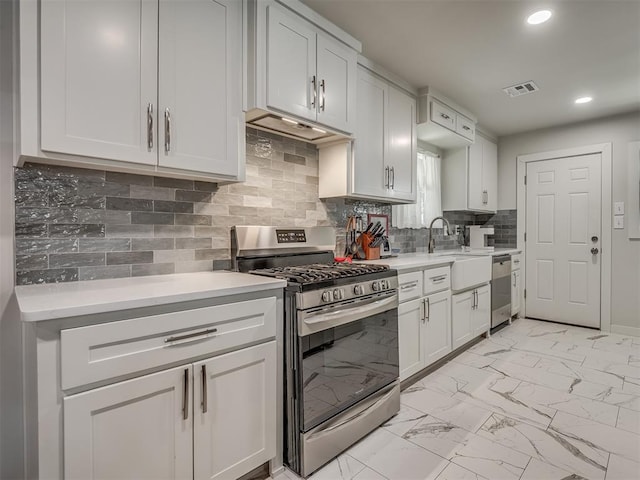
<point x="470" y="49"/>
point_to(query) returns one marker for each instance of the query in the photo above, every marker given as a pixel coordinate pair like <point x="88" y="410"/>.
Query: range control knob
<point x="375" y="286"/>
<point x="358" y="290"/>
<point x="337" y="294"/>
<point x="327" y="296"/>
<point x="384" y="284"/>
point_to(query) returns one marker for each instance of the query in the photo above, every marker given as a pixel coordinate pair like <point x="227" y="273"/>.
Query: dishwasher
<point x="500" y="290"/>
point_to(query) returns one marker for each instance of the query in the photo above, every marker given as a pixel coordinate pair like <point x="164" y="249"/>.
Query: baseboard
<point x="624" y="330"/>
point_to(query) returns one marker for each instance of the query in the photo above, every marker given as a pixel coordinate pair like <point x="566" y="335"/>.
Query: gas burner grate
<point x="315" y="273"/>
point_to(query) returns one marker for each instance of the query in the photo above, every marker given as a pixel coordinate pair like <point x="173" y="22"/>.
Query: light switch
<point x="618" y="222"/>
<point x="618" y="208"/>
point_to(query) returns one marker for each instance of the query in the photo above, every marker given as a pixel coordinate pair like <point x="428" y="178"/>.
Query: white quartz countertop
<point x="413" y="261"/>
<point x="493" y="253"/>
<point x="62" y="300"/>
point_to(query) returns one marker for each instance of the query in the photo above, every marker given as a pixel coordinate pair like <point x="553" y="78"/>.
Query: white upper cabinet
<point x="470" y="177"/>
<point x="200" y="86"/>
<point x="443" y="123"/>
<point x="302" y="66"/>
<point x="380" y="164"/>
<point x="151" y="86"/>
<point x="291" y="64"/>
<point x="98" y="78"/>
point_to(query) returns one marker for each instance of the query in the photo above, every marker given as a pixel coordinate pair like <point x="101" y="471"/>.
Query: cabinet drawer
<point x="437" y="279"/>
<point x="99" y="352"/>
<point x="516" y="260"/>
<point x="443" y="115"/>
<point x="465" y="127"/>
<point x="409" y="286"/>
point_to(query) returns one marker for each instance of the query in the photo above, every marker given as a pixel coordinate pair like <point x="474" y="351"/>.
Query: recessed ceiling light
<point x="539" y="17"/>
<point x="583" y="99"/>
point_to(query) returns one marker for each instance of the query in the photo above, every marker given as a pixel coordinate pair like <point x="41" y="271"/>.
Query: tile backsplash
<point x="79" y="224"/>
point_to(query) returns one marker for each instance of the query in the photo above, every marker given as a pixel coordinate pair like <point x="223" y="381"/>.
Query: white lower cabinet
<point x="213" y="419"/>
<point x="515" y="292"/>
<point x="471" y="314"/>
<point x="424" y="328"/>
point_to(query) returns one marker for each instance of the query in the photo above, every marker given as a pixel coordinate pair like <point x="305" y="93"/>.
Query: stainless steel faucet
<point x="432" y="242"/>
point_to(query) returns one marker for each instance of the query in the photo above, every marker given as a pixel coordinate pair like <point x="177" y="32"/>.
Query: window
<point x="428" y="202"/>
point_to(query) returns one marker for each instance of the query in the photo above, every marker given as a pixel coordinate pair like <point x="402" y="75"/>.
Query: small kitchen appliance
<point x="340" y="339"/>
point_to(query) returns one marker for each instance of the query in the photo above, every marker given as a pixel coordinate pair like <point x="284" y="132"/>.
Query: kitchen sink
<point x="468" y="271"/>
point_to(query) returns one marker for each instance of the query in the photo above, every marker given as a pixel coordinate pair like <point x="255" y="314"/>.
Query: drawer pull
<point x="190" y="335"/>
<point x="407" y="286"/>
<point x="185" y="395"/>
<point x="445" y="116"/>
<point x="438" y="279"/>
<point x="204" y="389"/>
<point x="465" y="127"/>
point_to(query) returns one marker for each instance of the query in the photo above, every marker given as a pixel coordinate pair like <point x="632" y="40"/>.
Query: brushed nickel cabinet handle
<point x="204" y="389"/>
<point x="150" y="126"/>
<point x="393" y="178"/>
<point x="409" y="285"/>
<point x="167" y="130"/>
<point x="185" y="395"/>
<point x="386" y="177"/>
<point x="438" y="279"/>
<point x="190" y="335"/>
<point x="445" y="116"/>
<point x="427" y="309"/>
<point x="314" y="92"/>
<point x="323" y="97"/>
<point x="464" y="127"/>
<point x="422" y="310"/>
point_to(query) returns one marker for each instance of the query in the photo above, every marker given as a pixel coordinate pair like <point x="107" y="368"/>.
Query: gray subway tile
<point x="152" y="244"/>
<point x="29" y="198"/>
<point x="46" y="215"/>
<point x="46" y="245"/>
<point x="117" y="217"/>
<point x="193" y="196"/>
<point x="240" y="210"/>
<point x="104" y="244"/>
<point x="129" y="204"/>
<point x="222" y="264"/>
<point x="152" y="193"/>
<point x="59" y="260"/>
<point x="173" y="183"/>
<point x="192" y="243"/>
<point x="55" y="275"/>
<point x="100" y="273"/>
<point x="128" y="178"/>
<point x="97" y="188"/>
<point x="205" y="186"/>
<point x="67" y="199"/>
<point x="71" y="230"/>
<point x="121" y="258"/>
<point x="173" y="230"/>
<point x="195" y="266"/>
<point x="31" y="230"/>
<point x="32" y="262"/>
<point x="188" y="219"/>
<point x="173" y="256"/>
<point x="151" y="218"/>
<point x="174" y="207"/>
<point x="297" y="159"/>
<point x="129" y="231"/>
<point x="212" y="254"/>
<point x="152" y="269"/>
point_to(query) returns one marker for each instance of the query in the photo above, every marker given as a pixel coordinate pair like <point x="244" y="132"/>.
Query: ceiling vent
<point x="521" y="89"/>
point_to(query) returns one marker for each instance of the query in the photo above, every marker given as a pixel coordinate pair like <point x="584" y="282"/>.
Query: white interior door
<point x="563" y="207"/>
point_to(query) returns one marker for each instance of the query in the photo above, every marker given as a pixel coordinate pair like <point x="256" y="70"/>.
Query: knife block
<point x="369" y="253"/>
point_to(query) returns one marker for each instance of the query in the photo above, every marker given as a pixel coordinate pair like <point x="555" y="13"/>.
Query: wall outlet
<point x="618" y="222"/>
<point x="618" y="208"/>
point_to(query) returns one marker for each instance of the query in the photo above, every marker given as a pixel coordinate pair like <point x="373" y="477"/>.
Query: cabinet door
<point x="132" y="429"/>
<point x="337" y="83"/>
<point x="461" y="308"/>
<point x="410" y="338"/>
<point x="490" y="174"/>
<point x="200" y="85"/>
<point x="475" y="179"/>
<point x="98" y="66"/>
<point x="291" y="64"/>
<point x="401" y="152"/>
<point x="369" y="175"/>
<point x="235" y="412"/>
<point x="437" y="332"/>
<point x="515" y="292"/>
<point x="481" y="315"/>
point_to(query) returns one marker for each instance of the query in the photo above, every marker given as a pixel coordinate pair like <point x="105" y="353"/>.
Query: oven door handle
<point x="311" y="322"/>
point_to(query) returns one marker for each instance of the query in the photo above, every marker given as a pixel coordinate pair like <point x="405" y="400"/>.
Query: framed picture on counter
<point x="379" y="217"/>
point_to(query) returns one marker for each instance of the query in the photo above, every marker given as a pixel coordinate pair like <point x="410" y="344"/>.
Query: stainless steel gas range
<point x="341" y="339"/>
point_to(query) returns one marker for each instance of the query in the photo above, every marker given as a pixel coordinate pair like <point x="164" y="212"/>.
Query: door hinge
<point x="525" y="179"/>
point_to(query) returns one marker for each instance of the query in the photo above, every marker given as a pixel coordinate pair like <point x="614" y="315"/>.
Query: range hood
<point x="288" y="127"/>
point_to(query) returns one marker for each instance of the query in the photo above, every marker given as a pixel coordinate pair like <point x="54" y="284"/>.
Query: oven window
<point x="344" y="364"/>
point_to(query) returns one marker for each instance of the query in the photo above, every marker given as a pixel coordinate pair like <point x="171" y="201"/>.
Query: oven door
<point x="347" y="352"/>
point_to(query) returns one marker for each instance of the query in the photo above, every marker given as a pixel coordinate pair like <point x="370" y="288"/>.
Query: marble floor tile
<point x="627" y="397"/>
<point x="438" y="382"/>
<point x="629" y="420"/>
<point x="369" y="474"/>
<point x="462" y="414"/>
<point x="455" y="472"/>
<point x="404" y="420"/>
<point x="566" y="402"/>
<point x="622" y="469"/>
<point x="396" y="458"/>
<point x="537" y="470"/>
<point x="344" y="467"/>
<point x="492" y="349"/>
<point x="606" y="438"/>
<point x="531" y="375"/>
<point x="472" y="359"/>
<point x="546" y="446"/>
<point x="582" y="373"/>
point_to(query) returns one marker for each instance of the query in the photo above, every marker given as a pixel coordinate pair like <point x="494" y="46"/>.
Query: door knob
<point x="594" y="251"/>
